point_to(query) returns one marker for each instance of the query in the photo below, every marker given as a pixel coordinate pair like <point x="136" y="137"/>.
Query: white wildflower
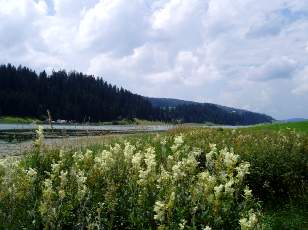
<point x="242" y="170"/>
<point x="159" y="209"/>
<point x="177" y="171"/>
<point x="178" y="141"/>
<point x="104" y="160"/>
<point x="63" y="178"/>
<point x="136" y="160"/>
<point x="128" y="150"/>
<point x="218" y="190"/>
<point x="228" y="187"/>
<point x="230" y="159"/>
<point x="31" y="172"/>
<point x="247" y="193"/>
<point x="163" y="141"/>
<point x="150" y="162"/>
<point x="55" y="168"/>
<point x="209" y="156"/>
<point x="250" y="222"/>
<point x="39" y="137"/>
<point x="61" y="194"/>
<point x="182" y="224"/>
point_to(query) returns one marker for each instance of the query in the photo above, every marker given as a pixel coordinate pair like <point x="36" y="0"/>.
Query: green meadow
<point x="186" y="178"/>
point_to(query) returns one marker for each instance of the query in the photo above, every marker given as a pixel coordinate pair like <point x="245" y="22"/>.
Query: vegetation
<point x="301" y="126"/>
<point x="78" y="97"/>
<point x="134" y="121"/>
<point x="187" y="178"/>
<point x="17" y="120"/>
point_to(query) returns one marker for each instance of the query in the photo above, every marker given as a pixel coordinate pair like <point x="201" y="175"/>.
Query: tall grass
<point x="183" y="179"/>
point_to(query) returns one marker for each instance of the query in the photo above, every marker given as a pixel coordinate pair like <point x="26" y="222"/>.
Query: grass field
<point x="252" y="178"/>
<point x="298" y="126"/>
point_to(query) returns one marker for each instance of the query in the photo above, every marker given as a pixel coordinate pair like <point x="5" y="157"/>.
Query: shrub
<point x="159" y="183"/>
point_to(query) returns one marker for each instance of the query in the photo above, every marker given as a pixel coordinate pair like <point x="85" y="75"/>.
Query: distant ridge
<point x="294" y="120"/>
<point x="220" y="110"/>
<point x="169" y="102"/>
<point x="172" y="102"/>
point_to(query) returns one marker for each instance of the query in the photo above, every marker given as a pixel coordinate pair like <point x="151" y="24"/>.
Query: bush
<point x="279" y="160"/>
<point x="156" y="183"/>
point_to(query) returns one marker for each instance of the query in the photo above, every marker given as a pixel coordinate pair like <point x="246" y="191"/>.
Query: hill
<point x="190" y="111"/>
<point x="78" y="97"/>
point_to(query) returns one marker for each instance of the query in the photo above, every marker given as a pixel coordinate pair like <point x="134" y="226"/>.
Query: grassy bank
<point x="134" y="121"/>
<point x="301" y="126"/>
<point x="250" y="179"/>
<point x="18" y="120"/>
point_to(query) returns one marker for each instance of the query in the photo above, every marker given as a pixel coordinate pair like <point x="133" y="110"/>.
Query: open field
<point x="172" y="180"/>
<point x="297" y="126"/>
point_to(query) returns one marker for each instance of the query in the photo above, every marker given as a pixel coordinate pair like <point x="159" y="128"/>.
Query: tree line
<point x="79" y="97"/>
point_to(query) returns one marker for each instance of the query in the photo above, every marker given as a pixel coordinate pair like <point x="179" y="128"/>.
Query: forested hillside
<point x="190" y="111"/>
<point x="78" y="97"/>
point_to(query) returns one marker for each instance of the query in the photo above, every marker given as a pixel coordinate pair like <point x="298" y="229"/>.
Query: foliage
<point x="279" y="160"/>
<point x="159" y="182"/>
<point x="285" y="217"/>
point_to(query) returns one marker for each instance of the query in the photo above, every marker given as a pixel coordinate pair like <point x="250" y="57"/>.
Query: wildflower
<point x="55" y="168"/>
<point x="207" y="228"/>
<point x="182" y="224"/>
<point x="230" y="159"/>
<point x="159" y="209"/>
<point x="250" y="222"/>
<point x="247" y="193"/>
<point x="163" y="141"/>
<point x="149" y="159"/>
<point x="242" y="170"/>
<point x="128" y="150"/>
<point x="228" y="187"/>
<point x="218" y="190"/>
<point x="48" y="190"/>
<point x="105" y="160"/>
<point x="61" y="194"/>
<point x="31" y="172"/>
<point x="39" y="137"/>
<point x="63" y="178"/>
<point x="136" y="160"/>
<point x="164" y="177"/>
<point x="178" y="141"/>
<point x="88" y="155"/>
<point x="209" y="156"/>
<point x="177" y="171"/>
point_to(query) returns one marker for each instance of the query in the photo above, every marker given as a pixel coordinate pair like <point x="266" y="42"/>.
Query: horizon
<point x="237" y="54"/>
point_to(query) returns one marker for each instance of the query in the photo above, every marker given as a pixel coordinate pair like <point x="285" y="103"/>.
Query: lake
<point x="4" y="127"/>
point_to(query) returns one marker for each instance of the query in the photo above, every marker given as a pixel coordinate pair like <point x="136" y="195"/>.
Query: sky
<point x="242" y="53"/>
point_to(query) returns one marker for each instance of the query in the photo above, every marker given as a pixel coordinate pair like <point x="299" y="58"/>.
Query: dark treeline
<point x="78" y="97"/>
<point x="68" y="96"/>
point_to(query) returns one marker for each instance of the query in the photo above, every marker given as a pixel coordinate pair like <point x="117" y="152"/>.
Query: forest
<point x="77" y="97"/>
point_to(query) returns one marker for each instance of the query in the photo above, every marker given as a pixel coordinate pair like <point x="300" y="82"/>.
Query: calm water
<point x="11" y="148"/>
<point x="123" y="128"/>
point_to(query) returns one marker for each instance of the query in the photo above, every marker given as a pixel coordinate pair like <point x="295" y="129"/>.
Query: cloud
<point x="301" y="83"/>
<point x="277" y="68"/>
<point x="237" y="53"/>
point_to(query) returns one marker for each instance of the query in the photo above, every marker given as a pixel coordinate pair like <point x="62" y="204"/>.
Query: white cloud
<point x="277" y="68"/>
<point x="245" y="54"/>
<point x="301" y="83"/>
